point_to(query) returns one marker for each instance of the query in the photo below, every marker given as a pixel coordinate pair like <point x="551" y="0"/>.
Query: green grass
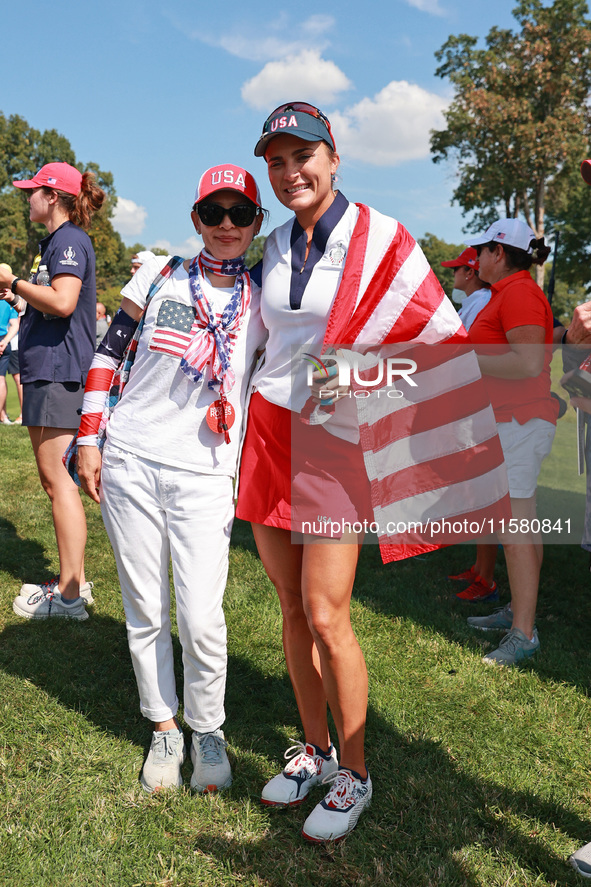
<point x="481" y="776"/>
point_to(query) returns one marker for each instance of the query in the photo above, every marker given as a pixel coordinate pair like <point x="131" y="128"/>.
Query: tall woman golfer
<point x="315" y="474"/>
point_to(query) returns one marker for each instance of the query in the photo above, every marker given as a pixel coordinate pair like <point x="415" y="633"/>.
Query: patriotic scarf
<point x="214" y="339"/>
<point x="222" y="267"/>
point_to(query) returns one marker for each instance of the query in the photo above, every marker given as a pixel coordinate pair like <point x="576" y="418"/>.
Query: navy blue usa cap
<point x="297" y="119"/>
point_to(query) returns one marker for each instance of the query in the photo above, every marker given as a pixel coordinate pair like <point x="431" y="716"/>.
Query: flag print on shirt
<point x="175" y="327"/>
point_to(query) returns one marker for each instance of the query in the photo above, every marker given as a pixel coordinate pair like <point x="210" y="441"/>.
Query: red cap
<point x="227" y="177"/>
<point x="586" y="171"/>
<point x="469" y="258"/>
<point x="60" y="176"/>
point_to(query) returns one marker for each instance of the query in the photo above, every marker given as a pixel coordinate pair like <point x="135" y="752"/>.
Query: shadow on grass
<point x="418" y="589"/>
<point x="431" y="823"/>
<point x="427" y="813"/>
<point x="22" y="558"/>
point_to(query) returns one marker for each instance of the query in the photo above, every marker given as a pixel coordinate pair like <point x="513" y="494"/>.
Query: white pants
<point x="153" y="513"/>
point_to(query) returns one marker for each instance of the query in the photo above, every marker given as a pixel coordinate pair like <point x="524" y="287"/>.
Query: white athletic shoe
<point x="47" y="602"/>
<point x="581" y="861"/>
<point x="306" y="769"/>
<point x="336" y="816"/>
<point x="162" y="768"/>
<point x="30" y="588"/>
<point x="211" y="767"/>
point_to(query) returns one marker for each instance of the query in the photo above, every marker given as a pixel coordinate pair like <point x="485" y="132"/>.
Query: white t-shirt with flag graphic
<point x="162" y="413"/>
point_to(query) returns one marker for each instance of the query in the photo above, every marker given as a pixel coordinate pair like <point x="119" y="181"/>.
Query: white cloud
<point x="267" y="41"/>
<point x="430" y="6"/>
<point x="390" y="128"/>
<point x="305" y="74"/>
<point x="189" y="248"/>
<point x="129" y="219"/>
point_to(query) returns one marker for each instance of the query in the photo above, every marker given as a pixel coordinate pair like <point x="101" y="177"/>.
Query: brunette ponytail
<point x="82" y="206"/>
<point x="540" y="251"/>
<point x="521" y="260"/>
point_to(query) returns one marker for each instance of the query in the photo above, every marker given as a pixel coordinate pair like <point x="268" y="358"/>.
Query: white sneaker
<point x="162" y="768"/>
<point x="581" y="861"/>
<point x="30" y="588"/>
<point x="47" y="602"/>
<point x="306" y="769"/>
<point x="514" y="648"/>
<point x="5" y="421"/>
<point x="211" y="767"/>
<point x="86" y="593"/>
<point x="336" y="816"/>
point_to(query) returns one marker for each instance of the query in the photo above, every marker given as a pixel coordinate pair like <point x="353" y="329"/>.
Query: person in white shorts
<point x="513" y="337"/>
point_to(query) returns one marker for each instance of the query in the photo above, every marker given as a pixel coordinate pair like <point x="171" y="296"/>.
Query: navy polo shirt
<point x="60" y="349"/>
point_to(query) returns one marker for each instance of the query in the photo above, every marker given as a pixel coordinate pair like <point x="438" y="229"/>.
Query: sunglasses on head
<point x="241" y="214"/>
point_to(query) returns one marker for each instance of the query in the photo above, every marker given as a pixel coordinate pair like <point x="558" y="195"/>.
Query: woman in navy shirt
<point x="57" y="337"/>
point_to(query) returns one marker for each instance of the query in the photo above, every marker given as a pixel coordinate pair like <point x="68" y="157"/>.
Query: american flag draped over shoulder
<point x="432" y="454"/>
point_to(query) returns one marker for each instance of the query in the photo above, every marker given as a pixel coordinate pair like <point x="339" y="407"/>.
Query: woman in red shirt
<point x="513" y="339"/>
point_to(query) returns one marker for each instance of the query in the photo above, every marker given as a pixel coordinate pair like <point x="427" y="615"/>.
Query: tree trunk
<point x="540" y="220"/>
<point x="526" y="210"/>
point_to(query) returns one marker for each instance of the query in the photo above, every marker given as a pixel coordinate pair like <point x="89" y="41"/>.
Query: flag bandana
<point x="223" y="267"/>
<point x="214" y="340"/>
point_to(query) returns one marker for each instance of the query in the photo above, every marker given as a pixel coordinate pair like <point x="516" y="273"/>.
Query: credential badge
<point x="337" y="254"/>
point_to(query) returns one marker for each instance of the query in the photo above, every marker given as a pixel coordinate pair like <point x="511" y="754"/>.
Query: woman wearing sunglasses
<point x="165" y="480"/>
<point x="315" y="470"/>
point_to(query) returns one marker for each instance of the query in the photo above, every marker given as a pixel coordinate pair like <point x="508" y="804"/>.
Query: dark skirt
<point x="52" y="404"/>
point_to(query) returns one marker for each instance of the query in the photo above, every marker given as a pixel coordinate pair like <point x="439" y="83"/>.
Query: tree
<point x="519" y="122"/>
<point x="571" y="216"/>
<point x="438" y="251"/>
<point x="23" y="151"/>
<point x="254" y="253"/>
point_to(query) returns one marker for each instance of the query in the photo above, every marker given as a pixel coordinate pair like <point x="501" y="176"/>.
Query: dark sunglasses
<point x="241" y="214"/>
<point x="305" y="108"/>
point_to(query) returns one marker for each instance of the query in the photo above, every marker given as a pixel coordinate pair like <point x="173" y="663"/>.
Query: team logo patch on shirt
<point x="69" y="256"/>
<point x="337" y="254"/>
<point x="175" y="327"/>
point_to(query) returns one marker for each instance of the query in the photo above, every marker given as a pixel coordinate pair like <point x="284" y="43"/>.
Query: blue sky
<point x="156" y="92"/>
